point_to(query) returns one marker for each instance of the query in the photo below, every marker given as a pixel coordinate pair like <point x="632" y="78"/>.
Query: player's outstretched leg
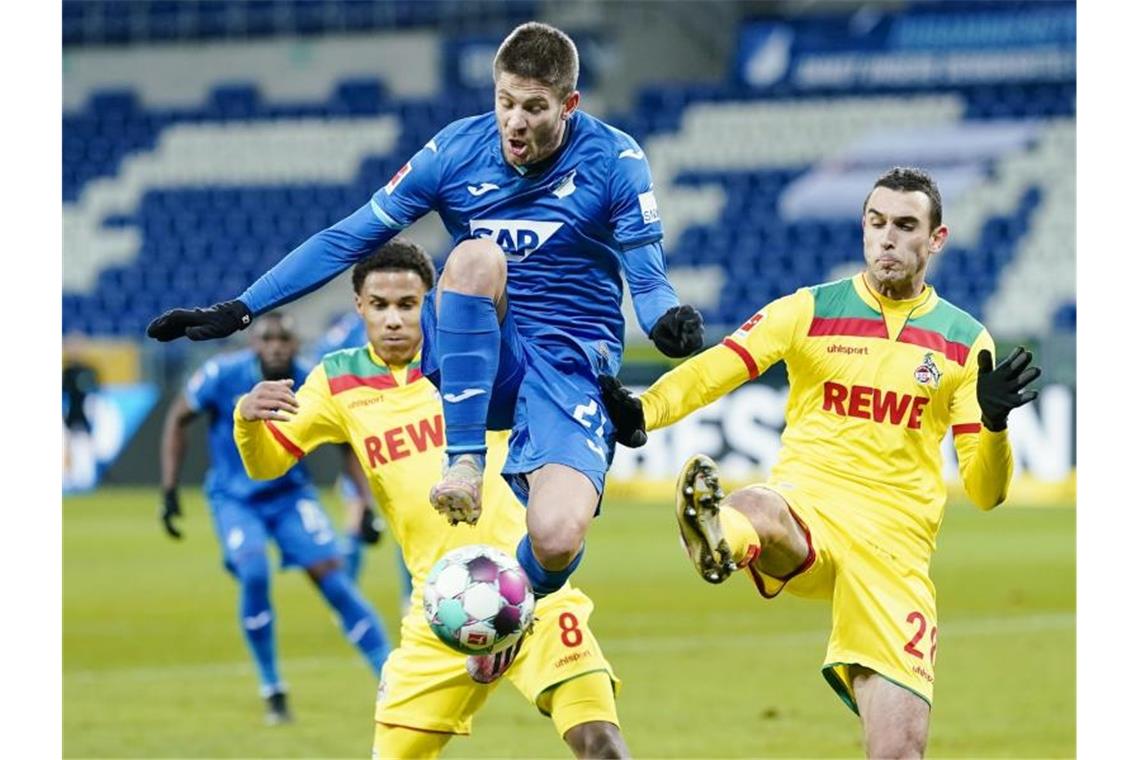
<point x="359" y="621"/>
<point x="700" y="516"/>
<point x="256" y="615"/>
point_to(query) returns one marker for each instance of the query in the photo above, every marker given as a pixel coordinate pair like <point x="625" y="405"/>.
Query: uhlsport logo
<point x="518" y="238"/>
<point x="928" y="373"/>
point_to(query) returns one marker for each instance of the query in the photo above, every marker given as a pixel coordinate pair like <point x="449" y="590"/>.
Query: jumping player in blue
<point x="247" y="512"/>
<point x="548" y="207"/>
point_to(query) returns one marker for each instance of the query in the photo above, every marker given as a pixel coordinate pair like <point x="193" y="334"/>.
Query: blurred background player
<point x="375" y="398"/>
<point x="578" y="195"/>
<point x="880" y="369"/>
<point x="246" y="512"/>
<point x="363" y="527"/>
<point x="80" y="380"/>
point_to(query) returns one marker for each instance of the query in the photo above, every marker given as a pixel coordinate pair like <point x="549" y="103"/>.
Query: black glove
<point x="170" y="509"/>
<point x="679" y="333"/>
<point x="371" y="527"/>
<point x="1000" y="388"/>
<point x="625" y="412"/>
<point x="217" y="321"/>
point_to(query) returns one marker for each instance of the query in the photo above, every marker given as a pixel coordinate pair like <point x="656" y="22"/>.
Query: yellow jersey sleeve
<point x="756" y="345"/>
<point x="268" y="448"/>
<point x="985" y="459"/>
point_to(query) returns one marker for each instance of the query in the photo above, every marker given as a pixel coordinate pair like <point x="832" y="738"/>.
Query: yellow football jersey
<point x="874" y="386"/>
<point x="393" y="419"/>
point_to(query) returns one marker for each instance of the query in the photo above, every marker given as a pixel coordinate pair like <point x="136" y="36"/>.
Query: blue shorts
<point x="294" y="519"/>
<point x="547" y="395"/>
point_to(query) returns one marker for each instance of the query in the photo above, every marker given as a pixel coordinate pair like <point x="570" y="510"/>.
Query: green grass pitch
<point x="154" y="664"/>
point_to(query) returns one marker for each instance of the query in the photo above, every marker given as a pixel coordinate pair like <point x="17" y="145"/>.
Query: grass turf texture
<point x="155" y="666"/>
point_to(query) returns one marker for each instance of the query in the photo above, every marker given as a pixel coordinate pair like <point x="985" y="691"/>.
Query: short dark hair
<point x="908" y="179"/>
<point x="397" y="255"/>
<point x="539" y="51"/>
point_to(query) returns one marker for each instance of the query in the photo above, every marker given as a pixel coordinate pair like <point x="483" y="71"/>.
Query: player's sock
<point x="740" y="535"/>
<point x="257" y="619"/>
<point x="468" y="339"/>
<point x="359" y="621"/>
<point x="543" y="581"/>
<point x="352" y="556"/>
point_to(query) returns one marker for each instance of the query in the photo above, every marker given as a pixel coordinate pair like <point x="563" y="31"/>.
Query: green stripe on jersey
<point x="839" y="299"/>
<point x="952" y="323"/>
<point x="352" y="361"/>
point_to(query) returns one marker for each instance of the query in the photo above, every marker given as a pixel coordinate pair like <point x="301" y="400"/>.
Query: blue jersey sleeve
<point x="201" y="390"/>
<point x="413" y="190"/>
<point x="650" y="289"/>
<point x="318" y="260"/>
<point x="633" y="207"/>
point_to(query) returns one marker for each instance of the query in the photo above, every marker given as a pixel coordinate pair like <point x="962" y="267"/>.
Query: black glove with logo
<point x="1000" y="388"/>
<point x="679" y="332"/>
<point x="371" y="527"/>
<point x="625" y="412"/>
<point x="216" y="321"/>
<point x="170" y="509"/>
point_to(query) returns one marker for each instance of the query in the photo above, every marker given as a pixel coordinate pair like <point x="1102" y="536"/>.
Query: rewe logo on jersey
<point x="518" y="238"/>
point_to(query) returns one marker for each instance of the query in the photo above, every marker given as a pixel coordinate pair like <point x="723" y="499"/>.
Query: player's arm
<point x="979" y="415"/>
<point x="275" y="427"/>
<point x="677" y="330"/>
<point x="172" y="452"/>
<point x="358" y="513"/>
<point x="409" y="195"/>
<point x="760" y="342"/>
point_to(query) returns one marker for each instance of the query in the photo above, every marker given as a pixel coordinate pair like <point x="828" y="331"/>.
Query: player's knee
<point x="554" y="550"/>
<point x="904" y="741"/>
<point x="766" y="511"/>
<point x="252" y="570"/>
<point x="597" y="739"/>
<point x="476" y="267"/>
<point x="323" y="568"/>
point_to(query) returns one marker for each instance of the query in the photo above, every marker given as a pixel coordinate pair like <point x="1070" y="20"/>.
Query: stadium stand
<point x="231" y="165"/>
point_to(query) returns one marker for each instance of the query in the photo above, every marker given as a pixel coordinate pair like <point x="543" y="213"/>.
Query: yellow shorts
<point x="882" y="599"/>
<point x="425" y="685"/>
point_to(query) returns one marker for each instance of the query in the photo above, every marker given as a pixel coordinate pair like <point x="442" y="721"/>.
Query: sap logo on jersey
<point x="518" y="238"/>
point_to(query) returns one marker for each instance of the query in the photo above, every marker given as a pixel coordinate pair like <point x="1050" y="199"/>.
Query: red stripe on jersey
<point x="955" y="352"/>
<point x="414" y="374"/>
<point x="966" y="427"/>
<point x="856" y="326"/>
<point x="343" y="383"/>
<point x="742" y="352"/>
<point x="286" y="444"/>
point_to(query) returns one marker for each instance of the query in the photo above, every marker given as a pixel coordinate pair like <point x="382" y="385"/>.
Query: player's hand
<point x="1001" y="389"/>
<point x="269" y="400"/>
<point x="216" y="321"/>
<point x="371" y="527"/>
<point x="170" y="509"/>
<point x="679" y="332"/>
<point x="625" y="412"/>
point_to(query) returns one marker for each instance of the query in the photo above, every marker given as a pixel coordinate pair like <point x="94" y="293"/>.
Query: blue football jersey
<point x="214" y="390"/>
<point x="566" y="226"/>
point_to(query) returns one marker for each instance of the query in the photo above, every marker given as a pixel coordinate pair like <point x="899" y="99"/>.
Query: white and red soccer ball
<point x="478" y="600"/>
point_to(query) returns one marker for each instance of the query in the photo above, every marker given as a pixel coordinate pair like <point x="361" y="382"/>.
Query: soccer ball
<point x="478" y="600"/>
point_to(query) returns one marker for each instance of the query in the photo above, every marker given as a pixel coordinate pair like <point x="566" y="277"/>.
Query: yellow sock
<point x="740" y="534"/>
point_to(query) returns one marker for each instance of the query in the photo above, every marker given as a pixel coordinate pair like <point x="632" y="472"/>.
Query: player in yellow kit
<point x="880" y="368"/>
<point x="375" y="399"/>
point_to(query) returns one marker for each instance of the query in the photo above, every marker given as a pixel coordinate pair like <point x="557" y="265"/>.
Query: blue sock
<point x="256" y="617"/>
<point x="468" y="339"/>
<point x="352" y="554"/>
<point x="357" y="618"/>
<point x="543" y="581"/>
